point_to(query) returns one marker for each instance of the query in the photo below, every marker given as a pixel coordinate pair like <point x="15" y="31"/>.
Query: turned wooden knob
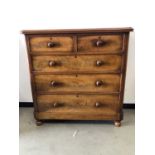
<point x="99" y="83"/>
<point x="99" y="63"/>
<point x="51" y="63"/>
<point x="97" y="104"/>
<point x="53" y="83"/>
<point x="56" y="104"/>
<point x="51" y="44"/>
<point x="99" y="43"/>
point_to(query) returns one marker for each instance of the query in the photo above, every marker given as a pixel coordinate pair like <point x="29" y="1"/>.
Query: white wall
<point x="129" y="96"/>
<point x="74" y="14"/>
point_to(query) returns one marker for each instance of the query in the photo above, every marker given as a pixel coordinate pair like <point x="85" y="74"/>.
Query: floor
<point x="76" y="138"/>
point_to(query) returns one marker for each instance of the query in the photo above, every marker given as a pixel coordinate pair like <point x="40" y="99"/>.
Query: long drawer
<point x="90" y="104"/>
<point x="95" y="63"/>
<point x="78" y="82"/>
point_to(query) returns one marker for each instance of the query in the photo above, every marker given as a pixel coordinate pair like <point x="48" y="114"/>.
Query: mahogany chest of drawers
<point x="78" y="74"/>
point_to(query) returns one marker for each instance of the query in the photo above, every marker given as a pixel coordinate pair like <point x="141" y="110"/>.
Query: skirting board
<point x="30" y="104"/>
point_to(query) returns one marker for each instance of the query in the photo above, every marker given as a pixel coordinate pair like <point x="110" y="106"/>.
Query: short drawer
<point x="78" y="83"/>
<point x="95" y="63"/>
<point x="100" y="43"/>
<point x="51" y="44"/>
<point x="105" y="104"/>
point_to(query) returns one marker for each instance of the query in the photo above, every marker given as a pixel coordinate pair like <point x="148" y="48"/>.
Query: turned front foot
<point x="38" y="123"/>
<point x="117" y="123"/>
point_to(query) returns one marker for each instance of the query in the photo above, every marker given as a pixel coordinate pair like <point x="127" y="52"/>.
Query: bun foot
<point x="117" y="123"/>
<point x="39" y="123"/>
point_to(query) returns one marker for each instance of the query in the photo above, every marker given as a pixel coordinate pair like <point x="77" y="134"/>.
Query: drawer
<point x="100" y="43"/>
<point x="51" y="44"/>
<point x="78" y="83"/>
<point x="106" y="104"/>
<point x="95" y="63"/>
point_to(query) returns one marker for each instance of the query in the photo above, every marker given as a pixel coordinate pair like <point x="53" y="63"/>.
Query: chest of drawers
<point x="78" y="74"/>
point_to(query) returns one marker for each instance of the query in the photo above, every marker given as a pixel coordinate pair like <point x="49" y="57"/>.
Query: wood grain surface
<point x="79" y="31"/>
<point x="95" y="63"/>
<point x="83" y="83"/>
<point x="61" y="43"/>
<point x="82" y="107"/>
<point x="76" y="103"/>
<point x="110" y="43"/>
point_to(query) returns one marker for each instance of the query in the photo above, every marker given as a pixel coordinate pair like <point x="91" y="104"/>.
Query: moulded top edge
<point x="96" y="30"/>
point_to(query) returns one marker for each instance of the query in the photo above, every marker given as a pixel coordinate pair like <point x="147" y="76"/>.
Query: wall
<point x="74" y="15"/>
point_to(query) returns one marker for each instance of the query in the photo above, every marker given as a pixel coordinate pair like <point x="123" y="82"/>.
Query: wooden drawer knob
<point x="99" y="83"/>
<point x="97" y="104"/>
<point x="56" y="104"/>
<point x="53" y="83"/>
<point x="99" y="63"/>
<point x="99" y="43"/>
<point x="51" y="63"/>
<point x="51" y="44"/>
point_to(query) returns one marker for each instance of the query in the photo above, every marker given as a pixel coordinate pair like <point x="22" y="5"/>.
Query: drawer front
<point x="89" y="63"/>
<point x="51" y="44"/>
<point x="100" y="43"/>
<point x="82" y="83"/>
<point x="106" y="104"/>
